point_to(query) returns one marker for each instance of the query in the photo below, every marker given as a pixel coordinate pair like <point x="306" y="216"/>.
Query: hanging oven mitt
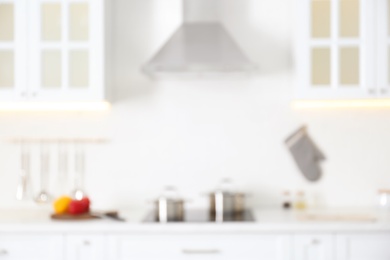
<point x="306" y="154"/>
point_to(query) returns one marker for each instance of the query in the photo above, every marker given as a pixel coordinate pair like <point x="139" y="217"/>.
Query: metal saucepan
<point x="226" y="202"/>
<point x="169" y="207"/>
<point x="168" y="210"/>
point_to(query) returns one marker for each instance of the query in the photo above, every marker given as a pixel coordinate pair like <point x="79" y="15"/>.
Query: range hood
<point x="201" y="46"/>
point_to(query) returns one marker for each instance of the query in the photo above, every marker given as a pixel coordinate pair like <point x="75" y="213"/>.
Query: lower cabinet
<point x="31" y="246"/>
<point x="313" y="247"/>
<point x="199" y="247"/>
<point x="195" y="246"/>
<point x="85" y="247"/>
<point x="363" y="247"/>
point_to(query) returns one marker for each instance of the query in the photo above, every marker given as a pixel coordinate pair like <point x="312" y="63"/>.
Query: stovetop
<point x="204" y="216"/>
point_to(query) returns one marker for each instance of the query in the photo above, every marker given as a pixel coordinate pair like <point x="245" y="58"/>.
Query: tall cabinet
<point x="340" y="49"/>
<point x="52" y="50"/>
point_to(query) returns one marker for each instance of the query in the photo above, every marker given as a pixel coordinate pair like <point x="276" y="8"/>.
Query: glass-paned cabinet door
<point x="334" y="49"/>
<point x="12" y="50"/>
<point x="67" y="50"/>
<point x="383" y="47"/>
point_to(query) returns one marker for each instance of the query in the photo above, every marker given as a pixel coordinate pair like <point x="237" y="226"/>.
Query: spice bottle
<point x="286" y="204"/>
<point x="300" y="201"/>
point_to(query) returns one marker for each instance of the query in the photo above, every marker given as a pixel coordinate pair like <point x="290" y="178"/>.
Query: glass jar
<point x="300" y="201"/>
<point x="384" y="199"/>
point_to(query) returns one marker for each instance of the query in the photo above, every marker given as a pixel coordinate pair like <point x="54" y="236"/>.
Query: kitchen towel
<point x="306" y="154"/>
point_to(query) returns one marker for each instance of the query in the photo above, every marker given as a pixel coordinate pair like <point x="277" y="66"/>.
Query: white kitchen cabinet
<point x="31" y="247"/>
<point x="313" y="247"/>
<point x="66" y="50"/>
<point x="151" y="245"/>
<point x="363" y="247"/>
<point x="383" y="47"/>
<point x="85" y="247"/>
<point x="336" y="49"/>
<point x="56" y="50"/>
<point x="202" y="247"/>
<point x="13" y="36"/>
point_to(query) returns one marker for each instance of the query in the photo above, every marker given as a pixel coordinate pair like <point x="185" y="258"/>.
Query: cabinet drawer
<point x="85" y="246"/>
<point x="313" y="247"/>
<point x="31" y="247"/>
<point x="237" y="247"/>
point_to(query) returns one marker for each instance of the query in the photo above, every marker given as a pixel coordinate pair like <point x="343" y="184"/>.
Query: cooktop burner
<point x="203" y="216"/>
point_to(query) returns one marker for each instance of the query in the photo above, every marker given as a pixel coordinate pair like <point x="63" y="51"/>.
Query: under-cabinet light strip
<point x="21" y="140"/>
<point x="314" y="104"/>
<point x="54" y="106"/>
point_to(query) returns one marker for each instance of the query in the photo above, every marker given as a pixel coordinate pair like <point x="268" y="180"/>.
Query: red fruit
<point x="77" y="207"/>
<point x="86" y="202"/>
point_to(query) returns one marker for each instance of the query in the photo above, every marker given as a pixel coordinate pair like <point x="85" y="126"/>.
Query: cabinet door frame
<point x="77" y="244"/>
<point x="383" y="47"/>
<point x="18" y="46"/>
<point x="305" y="43"/>
<point x="323" y="242"/>
<point x="31" y="245"/>
<point x="343" y="243"/>
<point x="94" y="46"/>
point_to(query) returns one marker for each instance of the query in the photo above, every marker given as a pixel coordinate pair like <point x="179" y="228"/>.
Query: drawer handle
<point x="3" y="252"/>
<point x="315" y="242"/>
<point x="372" y="91"/>
<point x="201" y="251"/>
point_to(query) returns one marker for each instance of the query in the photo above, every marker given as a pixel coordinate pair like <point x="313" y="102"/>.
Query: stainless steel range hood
<point x="201" y="47"/>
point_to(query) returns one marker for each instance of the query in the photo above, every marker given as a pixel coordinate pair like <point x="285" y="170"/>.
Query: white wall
<point x="192" y="134"/>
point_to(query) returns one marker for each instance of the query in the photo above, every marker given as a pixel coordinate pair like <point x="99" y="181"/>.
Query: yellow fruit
<point x="61" y="205"/>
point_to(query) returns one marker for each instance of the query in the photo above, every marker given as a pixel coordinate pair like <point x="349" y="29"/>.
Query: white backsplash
<point x="192" y="134"/>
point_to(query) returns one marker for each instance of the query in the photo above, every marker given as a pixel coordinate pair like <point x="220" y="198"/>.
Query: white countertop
<point x="265" y="221"/>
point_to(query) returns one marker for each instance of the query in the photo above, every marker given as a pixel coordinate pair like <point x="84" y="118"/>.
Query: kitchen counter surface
<point x="265" y="221"/>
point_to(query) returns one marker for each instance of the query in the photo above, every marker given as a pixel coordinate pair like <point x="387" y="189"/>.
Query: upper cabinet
<point x="13" y="49"/>
<point x="52" y="50"/>
<point x="340" y="49"/>
<point x="383" y="46"/>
